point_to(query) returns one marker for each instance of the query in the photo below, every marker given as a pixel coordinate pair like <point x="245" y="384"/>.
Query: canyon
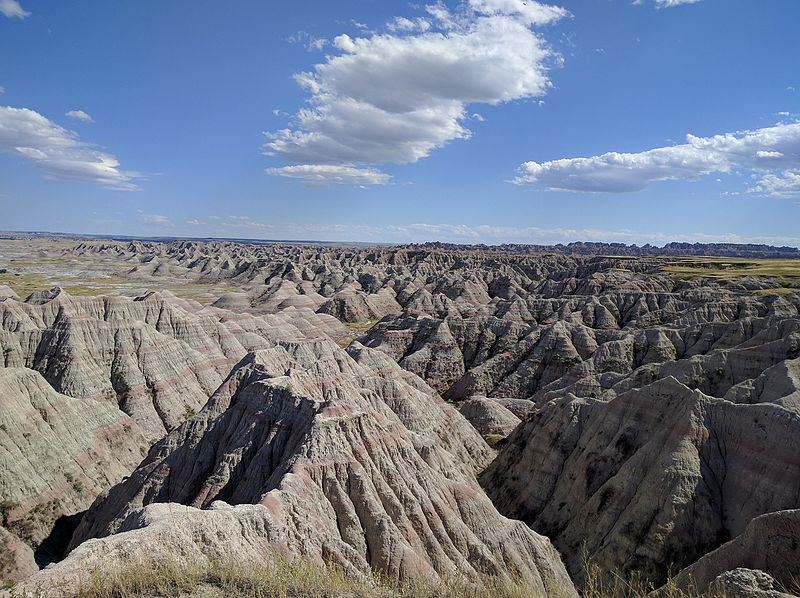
<point x="533" y="414"/>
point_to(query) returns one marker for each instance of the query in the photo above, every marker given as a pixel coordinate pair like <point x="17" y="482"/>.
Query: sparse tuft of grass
<point x="280" y="579"/>
<point x="356" y="329"/>
<point x="361" y="327"/>
<point x="775" y="292"/>
<point x="601" y="583"/>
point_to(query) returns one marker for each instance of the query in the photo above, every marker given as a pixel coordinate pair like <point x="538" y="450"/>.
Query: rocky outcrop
<point x="654" y="478"/>
<point x="660" y="414"/>
<point x="157" y="357"/>
<point x="57" y="454"/>
<point x="747" y="583"/>
<point x="16" y="558"/>
<point x="489" y="416"/>
<point x="769" y="545"/>
<point x="353" y="460"/>
<point x="355" y="306"/>
<point x="6" y="292"/>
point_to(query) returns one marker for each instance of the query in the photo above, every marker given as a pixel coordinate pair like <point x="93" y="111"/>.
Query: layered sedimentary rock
<point x="57" y="454"/>
<point x="659" y="413"/>
<point x="768" y="547"/>
<point x="652" y="479"/>
<point x="157" y="357"/>
<point x="489" y="416"/>
<point x="16" y="558"/>
<point x="747" y="583"/>
<point x="353" y="460"/>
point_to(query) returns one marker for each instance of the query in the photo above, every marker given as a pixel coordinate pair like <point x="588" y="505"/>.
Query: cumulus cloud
<point x="59" y="153"/>
<point x="395" y="97"/>
<point x="764" y="152"/>
<point x="532" y="13"/>
<point x="326" y="174"/>
<point x="12" y="9"/>
<point x="79" y="115"/>
<point x="782" y="184"/>
<point x="404" y="24"/>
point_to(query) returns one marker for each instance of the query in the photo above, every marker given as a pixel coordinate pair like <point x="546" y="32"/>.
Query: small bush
<point x="494" y="439"/>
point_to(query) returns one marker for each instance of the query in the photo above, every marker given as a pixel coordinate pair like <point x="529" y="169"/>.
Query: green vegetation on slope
<point x="785" y="272"/>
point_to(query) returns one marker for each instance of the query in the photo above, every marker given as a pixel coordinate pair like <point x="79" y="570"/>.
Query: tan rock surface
<point x="656" y="477"/>
<point x="489" y="416"/>
<point x="355" y="461"/>
<point x="57" y="453"/>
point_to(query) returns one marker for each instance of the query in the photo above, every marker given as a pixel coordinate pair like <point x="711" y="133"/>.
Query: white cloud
<point x="668" y="3"/>
<point x="12" y="9"/>
<point x="2" y="89"/>
<point x="761" y="151"/>
<point x="532" y="13"/>
<point x="463" y="233"/>
<point x="404" y="24"/>
<point x="155" y="219"/>
<point x="783" y="184"/>
<point x="194" y="222"/>
<point x="79" y="115"/>
<point x="326" y="174"/>
<point x="395" y="97"/>
<point x="309" y="42"/>
<point x="58" y="152"/>
<point x="671" y="3"/>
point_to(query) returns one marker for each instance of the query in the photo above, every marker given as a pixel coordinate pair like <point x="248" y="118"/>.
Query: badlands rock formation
<point x="768" y="548"/>
<point x="489" y="416"/>
<point x="352" y="461"/>
<point x="57" y="453"/>
<point x="651" y="480"/>
<point x="652" y="415"/>
<point x="89" y="383"/>
<point x="158" y="358"/>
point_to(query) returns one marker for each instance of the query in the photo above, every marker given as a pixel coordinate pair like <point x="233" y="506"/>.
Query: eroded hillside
<point x="640" y="412"/>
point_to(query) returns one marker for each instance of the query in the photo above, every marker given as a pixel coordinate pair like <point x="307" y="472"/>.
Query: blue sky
<point x="474" y="121"/>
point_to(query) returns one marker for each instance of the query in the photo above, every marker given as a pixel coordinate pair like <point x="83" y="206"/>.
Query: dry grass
<point x="357" y="329"/>
<point x="24" y="284"/>
<point x="282" y="579"/>
<point x="775" y="292"/>
<point x="786" y="272"/>
<point x="285" y="579"/>
<point x="361" y="327"/>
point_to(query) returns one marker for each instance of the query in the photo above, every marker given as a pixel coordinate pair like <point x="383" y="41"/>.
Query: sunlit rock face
<point x="331" y="403"/>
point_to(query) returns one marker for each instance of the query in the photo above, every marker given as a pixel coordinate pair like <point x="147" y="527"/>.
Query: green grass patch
<point x="38" y="261"/>
<point x="24" y="284"/>
<point x="494" y="439"/>
<point x="361" y="327"/>
<point x="356" y="329"/>
<point x="787" y="272"/>
<point x="86" y="291"/>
